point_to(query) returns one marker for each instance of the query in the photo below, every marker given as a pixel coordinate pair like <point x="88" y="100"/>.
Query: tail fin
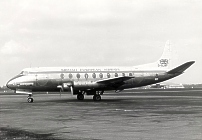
<point x="180" y="69"/>
<point x="164" y="62"/>
<point x="165" y="59"/>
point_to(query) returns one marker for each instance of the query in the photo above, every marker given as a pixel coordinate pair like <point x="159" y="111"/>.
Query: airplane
<point x="94" y="81"/>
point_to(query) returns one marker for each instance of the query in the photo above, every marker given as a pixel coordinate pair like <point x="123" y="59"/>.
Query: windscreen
<point x="24" y="73"/>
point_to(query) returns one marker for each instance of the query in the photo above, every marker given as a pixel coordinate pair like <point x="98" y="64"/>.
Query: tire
<point x="97" y="98"/>
<point x="30" y="100"/>
<point x="80" y="97"/>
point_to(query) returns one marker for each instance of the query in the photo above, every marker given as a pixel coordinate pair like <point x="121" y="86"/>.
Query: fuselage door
<point x="41" y="79"/>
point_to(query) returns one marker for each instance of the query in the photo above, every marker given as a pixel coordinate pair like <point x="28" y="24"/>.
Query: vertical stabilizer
<point x="165" y="60"/>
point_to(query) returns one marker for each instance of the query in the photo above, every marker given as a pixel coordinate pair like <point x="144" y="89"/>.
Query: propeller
<point x="72" y="91"/>
<point x="61" y="89"/>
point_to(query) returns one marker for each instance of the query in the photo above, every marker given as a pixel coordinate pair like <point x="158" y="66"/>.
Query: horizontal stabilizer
<point x="181" y="68"/>
<point x="114" y="80"/>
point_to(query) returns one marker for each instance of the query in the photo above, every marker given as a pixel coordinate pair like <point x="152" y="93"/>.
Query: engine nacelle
<point x="83" y="85"/>
<point x="65" y="86"/>
<point x="80" y="85"/>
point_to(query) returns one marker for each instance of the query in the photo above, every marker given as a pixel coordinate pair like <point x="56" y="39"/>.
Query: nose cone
<point x="10" y="84"/>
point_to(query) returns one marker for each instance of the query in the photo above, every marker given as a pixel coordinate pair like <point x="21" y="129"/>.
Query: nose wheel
<point x="30" y="99"/>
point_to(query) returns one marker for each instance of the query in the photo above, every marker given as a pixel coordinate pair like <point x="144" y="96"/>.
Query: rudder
<point x="165" y="59"/>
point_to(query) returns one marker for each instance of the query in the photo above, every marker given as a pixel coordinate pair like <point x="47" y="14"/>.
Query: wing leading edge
<point x="114" y="80"/>
<point x="181" y="68"/>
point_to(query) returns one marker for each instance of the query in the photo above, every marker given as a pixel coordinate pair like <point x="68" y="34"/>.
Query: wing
<point x="115" y="82"/>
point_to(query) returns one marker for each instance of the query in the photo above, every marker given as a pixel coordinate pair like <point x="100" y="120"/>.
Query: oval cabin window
<point x="108" y="75"/>
<point x="78" y="75"/>
<point x="101" y="75"/>
<point x="70" y="76"/>
<point x="130" y="74"/>
<point x="94" y="75"/>
<point x="86" y="76"/>
<point x="123" y="74"/>
<point x="116" y="74"/>
<point x="62" y="76"/>
<point x="157" y="75"/>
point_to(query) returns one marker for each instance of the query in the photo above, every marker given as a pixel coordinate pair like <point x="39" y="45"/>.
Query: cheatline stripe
<point x="49" y="72"/>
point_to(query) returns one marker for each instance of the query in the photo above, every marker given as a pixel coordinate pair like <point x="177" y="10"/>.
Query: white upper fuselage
<point x="93" y="72"/>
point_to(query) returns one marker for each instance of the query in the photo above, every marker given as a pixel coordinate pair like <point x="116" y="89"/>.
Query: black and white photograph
<point x="101" y="70"/>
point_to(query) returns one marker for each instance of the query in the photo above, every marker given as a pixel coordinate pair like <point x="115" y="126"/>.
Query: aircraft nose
<point x="10" y="84"/>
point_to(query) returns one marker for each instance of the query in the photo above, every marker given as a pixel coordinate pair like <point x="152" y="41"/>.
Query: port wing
<point x="114" y="80"/>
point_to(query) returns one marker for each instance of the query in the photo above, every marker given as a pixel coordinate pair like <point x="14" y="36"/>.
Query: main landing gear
<point x="96" y="95"/>
<point x="80" y="97"/>
<point x="30" y="99"/>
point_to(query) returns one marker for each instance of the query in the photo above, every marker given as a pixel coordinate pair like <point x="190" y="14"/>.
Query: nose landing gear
<point x="30" y="99"/>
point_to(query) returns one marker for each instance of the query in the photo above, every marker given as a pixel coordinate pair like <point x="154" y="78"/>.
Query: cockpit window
<point x="21" y="73"/>
<point x="24" y="73"/>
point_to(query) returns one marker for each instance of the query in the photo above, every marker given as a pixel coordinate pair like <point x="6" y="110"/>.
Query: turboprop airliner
<point x="94" y="81"/>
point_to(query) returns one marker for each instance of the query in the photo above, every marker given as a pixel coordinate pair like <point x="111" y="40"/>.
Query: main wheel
<point x="80" y="96"/>
<point x="30" y="100"/>
<point x="97" y="98"/>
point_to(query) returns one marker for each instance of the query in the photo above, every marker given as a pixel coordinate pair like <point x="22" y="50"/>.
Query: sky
<point x="51" y="33"/>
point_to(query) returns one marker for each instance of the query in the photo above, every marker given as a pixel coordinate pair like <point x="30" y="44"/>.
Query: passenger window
<point x="123" y="74"/>
<point x="86" y="76"/>
<point x="108" y="75"/>
<point x="116" y="75"/>
<point x="62" y="76"/>
<point x="70" y="76"/>
<point x="101" y="75"/>
<point x="78" y="75"/>
<point x="130" y="74"/>
<point x="94" y="75"/>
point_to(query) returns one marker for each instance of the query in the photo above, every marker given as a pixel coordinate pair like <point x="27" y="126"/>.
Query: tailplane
<point x="180" y="69"/>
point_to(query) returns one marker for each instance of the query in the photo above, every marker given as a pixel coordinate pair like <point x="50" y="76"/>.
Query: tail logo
<point x="163" y="63"/>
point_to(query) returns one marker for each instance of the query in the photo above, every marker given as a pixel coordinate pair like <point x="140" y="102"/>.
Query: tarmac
<point x="130" y="115"/>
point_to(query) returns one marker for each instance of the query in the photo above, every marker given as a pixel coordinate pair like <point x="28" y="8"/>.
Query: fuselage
<point x="85" y="78"/>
